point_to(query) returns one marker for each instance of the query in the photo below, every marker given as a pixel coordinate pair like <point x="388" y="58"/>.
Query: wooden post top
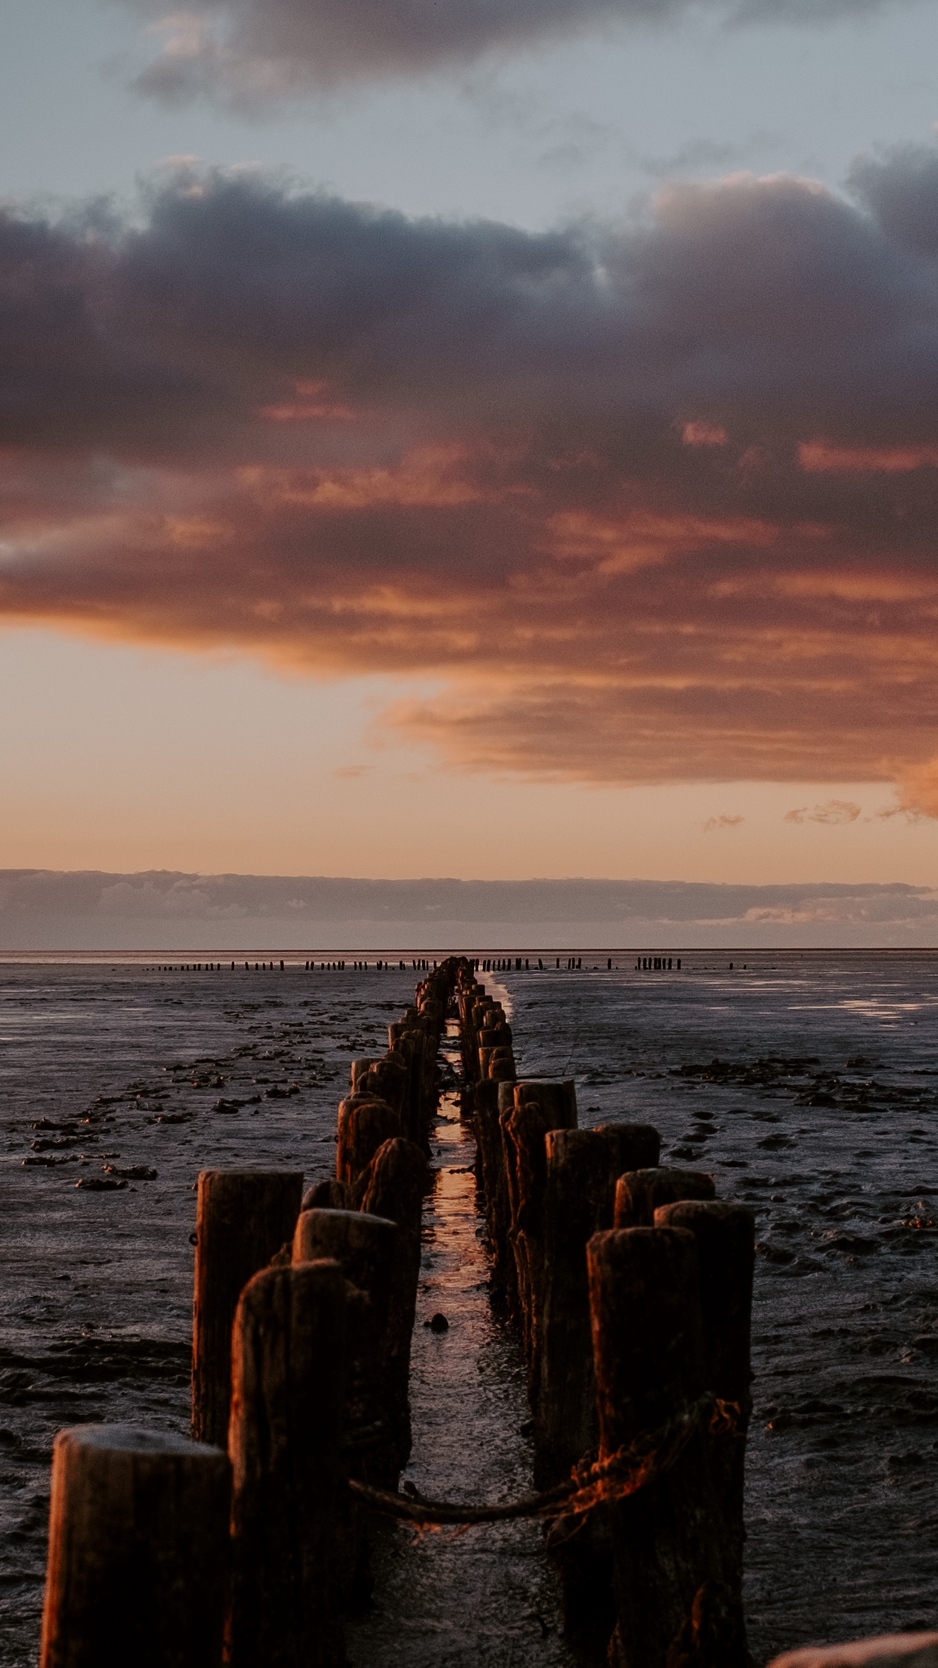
<point x="132" y="1439"/>
<point x="893" y="1650"/>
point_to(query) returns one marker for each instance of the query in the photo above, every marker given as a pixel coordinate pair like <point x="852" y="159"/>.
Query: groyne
<point x="630" y="1285"/>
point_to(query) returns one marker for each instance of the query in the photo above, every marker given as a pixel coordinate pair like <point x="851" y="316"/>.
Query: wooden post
<point x="365" y="1247"/>
<point x="138" y="1550"/>
<point x="385" y="1079"/>
<point x="487" y="1096"/>
<point x="244" y="1217"/>
<point x="582" y="1169"/>
<point x="289" y="1369"/>
<point x="725" y="1236"/>
<point x="397" y="1180"/>
<point x="537" y="1108"/>
<point x="328" y="1194"/>
<point x="648" y="1354"/>
<point x="363" y="1125"/>
<point x="894" y="1650"/>
<point x="639" y="1193"/>
<point x="499" y="1064"/>
<point x="558" y="1100"/>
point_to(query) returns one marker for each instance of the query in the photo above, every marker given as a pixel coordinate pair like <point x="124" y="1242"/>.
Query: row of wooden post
<point x="245" y="1544"/>
<point x="631" y="1286"/>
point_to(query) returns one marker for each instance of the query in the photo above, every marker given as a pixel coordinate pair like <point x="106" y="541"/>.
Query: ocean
<point x="807" y="1083"/>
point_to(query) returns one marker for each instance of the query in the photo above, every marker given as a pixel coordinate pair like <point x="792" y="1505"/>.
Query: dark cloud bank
<point x="656" y="500"/>
<point x="254" y="51"/>
<point x="160" y="910"/>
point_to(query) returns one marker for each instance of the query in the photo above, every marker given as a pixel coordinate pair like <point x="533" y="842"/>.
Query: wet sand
<point x="808" y="1086"/>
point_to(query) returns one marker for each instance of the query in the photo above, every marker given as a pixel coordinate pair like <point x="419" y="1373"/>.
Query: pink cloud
<point x="255" y="51"/>
<point x="356" y="442"/>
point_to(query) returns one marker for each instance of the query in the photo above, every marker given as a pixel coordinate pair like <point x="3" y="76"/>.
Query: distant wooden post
<point x="639" y="1193"/>
<point x="138" y="1550"/>
<point x="725" y="1236"/>
<point x="289" y="1366"/>
<point x="670" y="1600"/>
<point x="244" y="1217"/>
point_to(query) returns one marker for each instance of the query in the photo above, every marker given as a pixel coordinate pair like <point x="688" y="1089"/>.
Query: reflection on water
<point x="486" y="1596"/>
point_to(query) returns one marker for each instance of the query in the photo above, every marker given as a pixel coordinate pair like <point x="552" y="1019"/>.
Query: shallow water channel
<point x="486" y="1596"/>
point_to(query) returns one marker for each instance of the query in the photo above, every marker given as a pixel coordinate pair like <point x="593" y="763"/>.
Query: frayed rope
<point x="590" y="1484"/>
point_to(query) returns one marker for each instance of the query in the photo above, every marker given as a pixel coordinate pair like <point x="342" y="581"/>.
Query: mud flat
<point x="809" y="1086"/>
<point x="96" y="1286"/>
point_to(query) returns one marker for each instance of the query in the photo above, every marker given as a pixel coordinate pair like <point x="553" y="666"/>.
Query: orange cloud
<point x="835" y="812"/>
<point x="348" y="442"/>
<point x="817" y="457"/>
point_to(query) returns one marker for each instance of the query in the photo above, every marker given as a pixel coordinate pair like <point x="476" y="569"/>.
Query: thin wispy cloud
<point x="257" y="52"/>
<point x="722" y="821"/>
<point x="631" y="495"/>
<point x="835" y="813"/>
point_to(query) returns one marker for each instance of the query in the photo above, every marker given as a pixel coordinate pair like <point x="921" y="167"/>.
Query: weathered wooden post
<point x="385" y="1079"/>
<point x="138" y="1550"/>
<point x="640" y="1192"/>
<point x="364" y="1123"/>
<point x="396" y="1183"/>
<point x="289" y="1368"/>
<point x="243" y="1218"/>
<point x="558" y="1100"/>
<point x="582" y="1167"/>
<point x="537" y="1108"/>
<point x="893" y="1650"/>
<point x="671" y="1604"/>
<point x="486" y="1095"/>
<point x="582" y="1170"/>
<point x="328" y="1194"/>
<point x="366" y="1248"/>
<point x="725" y="1236"/>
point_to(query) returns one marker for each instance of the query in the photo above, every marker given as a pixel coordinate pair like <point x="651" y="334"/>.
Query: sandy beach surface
<point x="807" y="1084"/>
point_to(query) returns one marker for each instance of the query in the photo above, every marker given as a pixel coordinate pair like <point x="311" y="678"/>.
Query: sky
<point x="492" y="440"/>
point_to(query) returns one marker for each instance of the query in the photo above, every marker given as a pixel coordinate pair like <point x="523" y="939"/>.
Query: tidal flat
<point x="808" y="1085"/>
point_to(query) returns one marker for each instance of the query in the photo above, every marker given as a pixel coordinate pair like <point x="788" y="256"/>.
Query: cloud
<point x="570" y="476"/>
<point x="256" y="51"/>
<point x="918" y="791"/>
<point x="836" y="812"/>
<point x="722" y="821"/>
<point x="49" y="909"/>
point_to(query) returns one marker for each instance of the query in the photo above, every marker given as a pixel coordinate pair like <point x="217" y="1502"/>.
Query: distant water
<point x="807" y="1084"/>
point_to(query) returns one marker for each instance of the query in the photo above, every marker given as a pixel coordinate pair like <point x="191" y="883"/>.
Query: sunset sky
<point x="492" y="438"/>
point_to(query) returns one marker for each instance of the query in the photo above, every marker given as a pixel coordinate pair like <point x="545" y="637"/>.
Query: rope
<point x="629" y="1469"/>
